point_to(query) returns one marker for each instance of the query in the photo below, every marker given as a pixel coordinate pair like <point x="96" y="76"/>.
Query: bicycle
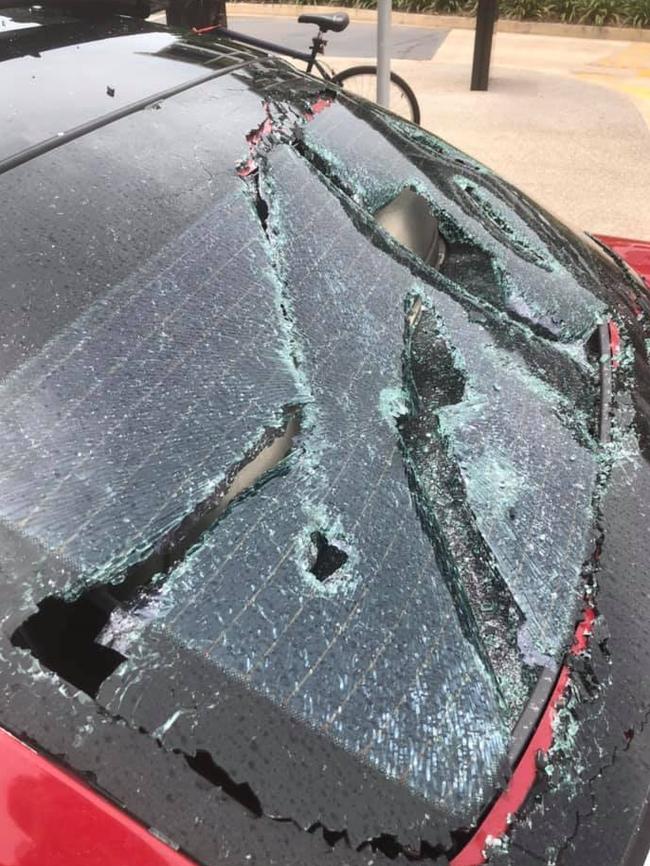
<point x="360" y="80"/>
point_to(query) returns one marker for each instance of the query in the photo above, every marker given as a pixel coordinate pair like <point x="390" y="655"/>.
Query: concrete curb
<point x="448" y="22"/>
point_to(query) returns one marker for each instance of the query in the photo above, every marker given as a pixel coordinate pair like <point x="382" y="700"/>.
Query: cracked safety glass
<point x="300" y="492"/>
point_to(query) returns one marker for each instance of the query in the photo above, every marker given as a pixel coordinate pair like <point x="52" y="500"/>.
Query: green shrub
<point x="633" y="13"/>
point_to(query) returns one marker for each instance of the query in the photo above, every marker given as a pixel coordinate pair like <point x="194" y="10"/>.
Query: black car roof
<point x="127" y="65"/>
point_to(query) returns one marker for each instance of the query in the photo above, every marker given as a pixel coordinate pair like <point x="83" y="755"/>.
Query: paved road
<point x="359" y="40"/>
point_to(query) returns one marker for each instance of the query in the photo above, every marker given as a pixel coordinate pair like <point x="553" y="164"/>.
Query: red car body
<point x="50" y="818"/>
<point x="635" y="253"/>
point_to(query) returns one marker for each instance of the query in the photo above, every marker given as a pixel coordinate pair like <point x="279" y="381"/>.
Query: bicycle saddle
<point x="337" y="22"/>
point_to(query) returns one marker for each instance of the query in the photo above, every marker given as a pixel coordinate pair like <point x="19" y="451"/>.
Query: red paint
<point x="497" y="822"/>
<point x="256" y="135"/>
<point x="315" y="108"/>
<point x="253" y="139"/>
<point x="246" y="168"/>
<point x="583" y="632"/>
<point x="635" y="253"/>
<point x="199" y="31"/>
<point x="614" y="342"/>
<point x="50" y="818"/>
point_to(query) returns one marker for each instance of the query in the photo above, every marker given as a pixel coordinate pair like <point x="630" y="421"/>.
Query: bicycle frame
<point x="317" y="46"/>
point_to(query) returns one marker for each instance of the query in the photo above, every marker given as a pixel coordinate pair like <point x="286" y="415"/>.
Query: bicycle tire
<point x="411" y="100"/>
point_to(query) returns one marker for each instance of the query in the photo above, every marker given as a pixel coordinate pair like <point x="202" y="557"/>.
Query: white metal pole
<point x="383" y="52"/>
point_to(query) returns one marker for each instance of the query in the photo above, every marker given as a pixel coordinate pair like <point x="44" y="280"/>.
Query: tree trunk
<point x="196" y="13"/>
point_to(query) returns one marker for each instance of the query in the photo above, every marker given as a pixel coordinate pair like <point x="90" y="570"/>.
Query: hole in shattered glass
<point x="327" y="557"/>
<point x="432" y="366"/>
<point x="387" y="844"/>
<point x="467" y="265"/>
<point x="65" y="635"/>
<point x="203" y="764"/>
<point x="62" y="636"/>
<point x="408" y="218"/>
<point x="390" y="846"/>
<point x="331" y="837"/>
<point x="261" y="207"/>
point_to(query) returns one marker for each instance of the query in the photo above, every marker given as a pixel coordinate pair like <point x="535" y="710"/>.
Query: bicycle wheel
<point x="362" y="81"/>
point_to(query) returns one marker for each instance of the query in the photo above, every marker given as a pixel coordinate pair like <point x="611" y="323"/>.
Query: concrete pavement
<point x="566" y="120"/>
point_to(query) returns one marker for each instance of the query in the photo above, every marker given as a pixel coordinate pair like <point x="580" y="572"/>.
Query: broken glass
<point x="318" y="502"/>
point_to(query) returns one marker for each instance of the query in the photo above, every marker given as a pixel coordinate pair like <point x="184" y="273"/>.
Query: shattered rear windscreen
<point x="326" y="501"/>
